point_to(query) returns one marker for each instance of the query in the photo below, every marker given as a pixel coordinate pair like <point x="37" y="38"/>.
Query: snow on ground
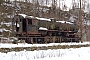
<point x="6" y="45"/>
<point x="82" y="53"/>
<point x="59" y="54"/>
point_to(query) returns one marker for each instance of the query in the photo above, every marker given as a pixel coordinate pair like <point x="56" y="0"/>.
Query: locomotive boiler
<point x="43" y="30"/>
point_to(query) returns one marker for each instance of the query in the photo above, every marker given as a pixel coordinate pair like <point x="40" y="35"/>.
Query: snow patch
<point x="42" y="28"/>
<point x="38" y="45"/>
<point x="64" y="22"/>
<point x="24" y="15"/>
<point x="59" y="54"/>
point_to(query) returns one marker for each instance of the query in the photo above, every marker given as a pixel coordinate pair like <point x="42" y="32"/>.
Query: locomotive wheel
<point x="29" y="40"/>
<point x="47" y="39"/>
<point x="40" y="40"/>
<point x="54" y="39"/>
<point x="57" y="40"/>
<point x="62" y="39"/>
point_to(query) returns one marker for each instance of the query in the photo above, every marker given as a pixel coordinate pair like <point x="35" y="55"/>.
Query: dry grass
<point x="5" y="50"/>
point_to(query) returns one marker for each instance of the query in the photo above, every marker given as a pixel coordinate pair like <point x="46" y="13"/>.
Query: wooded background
<point x="46" y="9"/>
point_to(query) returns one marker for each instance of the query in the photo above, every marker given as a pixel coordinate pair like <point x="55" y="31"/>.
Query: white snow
<point x="42" y="28"/>
<point x="3" y="29"/>
<point x="17" y="25"/>
<point x="59" y="54"/>
<point x="43" y="19"/>
<point x="38" y="45"/>
<point x="7" y="24"/>
<point x="64" y="22"/>
<point x="24" y="15"/>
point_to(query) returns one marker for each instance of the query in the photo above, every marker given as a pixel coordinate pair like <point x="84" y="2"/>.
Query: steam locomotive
<point x="43" y="30"/>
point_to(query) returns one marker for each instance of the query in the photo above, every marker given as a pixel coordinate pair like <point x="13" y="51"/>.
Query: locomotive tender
<point x="42" y="30"/>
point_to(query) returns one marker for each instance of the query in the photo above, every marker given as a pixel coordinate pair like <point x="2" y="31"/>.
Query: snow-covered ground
<point x="82" y="53"/>
<point x="6" y="45"/>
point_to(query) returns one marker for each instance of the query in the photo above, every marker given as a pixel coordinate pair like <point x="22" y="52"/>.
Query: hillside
<point x="9" y="9"/>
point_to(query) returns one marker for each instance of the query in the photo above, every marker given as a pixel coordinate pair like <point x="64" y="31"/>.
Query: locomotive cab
<point x="16" y="25"/>
<point x="23" y="25"/>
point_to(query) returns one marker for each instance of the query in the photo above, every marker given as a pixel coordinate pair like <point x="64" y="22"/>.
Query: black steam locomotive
<point x="42" y="30"/>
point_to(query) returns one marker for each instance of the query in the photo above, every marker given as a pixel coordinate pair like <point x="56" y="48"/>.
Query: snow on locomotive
<point x="42" y="30"/>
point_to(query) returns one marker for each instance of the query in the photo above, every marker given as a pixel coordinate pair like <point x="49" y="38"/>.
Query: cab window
<point x="30" y="21"/>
